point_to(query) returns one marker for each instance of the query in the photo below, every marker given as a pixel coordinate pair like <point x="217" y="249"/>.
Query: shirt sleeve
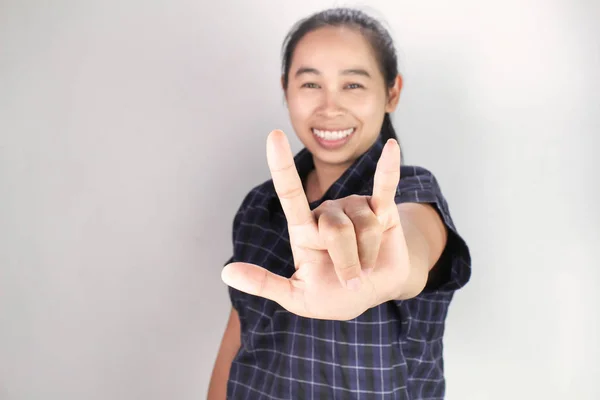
<point x="234" y="294"/>
<point x="453" y="269"/>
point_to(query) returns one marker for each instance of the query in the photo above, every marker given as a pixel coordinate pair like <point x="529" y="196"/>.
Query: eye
<point x="310" y="85"/>
<point x="354" y="86"/>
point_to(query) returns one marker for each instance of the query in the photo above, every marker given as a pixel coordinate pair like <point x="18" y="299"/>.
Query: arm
<point x="230" y="344"/>
<point x="426" y="237"/>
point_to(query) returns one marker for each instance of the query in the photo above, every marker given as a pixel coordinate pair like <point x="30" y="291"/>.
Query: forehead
<point x="334" y="47"/>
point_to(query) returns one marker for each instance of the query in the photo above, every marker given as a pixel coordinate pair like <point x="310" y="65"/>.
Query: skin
<point x="230" y="344"/>
<point x="353" y="253"/>
<point x="334" y="83"/>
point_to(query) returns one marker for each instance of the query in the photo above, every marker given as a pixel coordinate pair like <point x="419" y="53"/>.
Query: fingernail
<point x="353" y="284"/>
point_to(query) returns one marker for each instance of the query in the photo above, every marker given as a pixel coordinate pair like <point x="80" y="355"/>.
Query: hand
<point x="350" y="254"/>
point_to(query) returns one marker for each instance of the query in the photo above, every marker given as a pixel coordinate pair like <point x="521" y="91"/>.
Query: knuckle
<point x="363" y="215"/>
<point x="356" y="201"/>
<point x="369" y="232"/>
<point x="327" y="204"/>
<point x="332" y="218"/>
<point x="366" y="223"/>
<point x="390" y="187"/>
<point x="290" y="193"/>
<point x="324" y="207"/>
<point x="335" y="228"/>
<point x="346" y="268"/>
<point x="284" y="169"/>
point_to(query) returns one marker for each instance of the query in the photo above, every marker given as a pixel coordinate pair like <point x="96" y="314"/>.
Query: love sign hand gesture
<point x="350" y="254"/>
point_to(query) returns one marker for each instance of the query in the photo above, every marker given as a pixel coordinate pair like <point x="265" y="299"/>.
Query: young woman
<point x="345" y="262"/>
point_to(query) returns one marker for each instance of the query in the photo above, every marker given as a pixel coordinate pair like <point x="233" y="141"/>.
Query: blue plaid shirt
<point x="392" y="351"/>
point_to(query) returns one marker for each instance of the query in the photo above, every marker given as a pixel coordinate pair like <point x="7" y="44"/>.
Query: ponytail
<point x="388" y="132"/>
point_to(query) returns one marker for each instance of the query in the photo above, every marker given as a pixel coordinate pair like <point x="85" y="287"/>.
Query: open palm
<point x="350" y="254"/>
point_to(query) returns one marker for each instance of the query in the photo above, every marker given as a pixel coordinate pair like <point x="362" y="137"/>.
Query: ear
<point x="394" y="94"/>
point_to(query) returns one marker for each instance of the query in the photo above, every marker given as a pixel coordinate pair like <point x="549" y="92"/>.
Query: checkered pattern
<point x="392" y="351"/>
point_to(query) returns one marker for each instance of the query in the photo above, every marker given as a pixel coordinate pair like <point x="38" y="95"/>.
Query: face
<point x="336" y="95"/>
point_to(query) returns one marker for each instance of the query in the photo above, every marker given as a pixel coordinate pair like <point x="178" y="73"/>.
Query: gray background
<point x="131" y="130"/>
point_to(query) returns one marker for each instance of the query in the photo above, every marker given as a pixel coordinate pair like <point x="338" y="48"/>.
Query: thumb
<point x="258" y="281"/>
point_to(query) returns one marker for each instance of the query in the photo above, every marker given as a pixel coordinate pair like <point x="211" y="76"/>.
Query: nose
<point x="330" y="104"/>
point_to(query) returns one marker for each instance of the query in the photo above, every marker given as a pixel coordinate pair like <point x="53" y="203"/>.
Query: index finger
<point x="287" y="181"/>
<point x="387" y="177"/>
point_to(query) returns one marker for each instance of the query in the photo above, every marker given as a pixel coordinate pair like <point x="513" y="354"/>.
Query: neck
<point x="322" y="177"/>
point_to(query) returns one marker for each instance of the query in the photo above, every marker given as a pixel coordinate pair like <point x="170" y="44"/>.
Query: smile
<point x="331" y="134"/>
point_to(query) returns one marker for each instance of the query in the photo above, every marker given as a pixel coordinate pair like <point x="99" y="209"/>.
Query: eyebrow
<point x="350" y="71"/>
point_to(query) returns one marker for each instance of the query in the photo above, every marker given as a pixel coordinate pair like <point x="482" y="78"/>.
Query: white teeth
<point x="333" y="135"/>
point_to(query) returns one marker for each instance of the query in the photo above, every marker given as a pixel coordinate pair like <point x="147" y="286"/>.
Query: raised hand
<point x="350" y="254"/>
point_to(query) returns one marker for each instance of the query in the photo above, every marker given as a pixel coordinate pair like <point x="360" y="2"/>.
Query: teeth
<point x="333" y="135"/>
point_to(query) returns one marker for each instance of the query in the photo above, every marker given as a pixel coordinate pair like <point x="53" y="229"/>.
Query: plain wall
<point x="131" y="130"/>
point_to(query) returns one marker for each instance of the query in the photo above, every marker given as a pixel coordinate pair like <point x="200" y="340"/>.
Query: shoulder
<point x="419" y="185"/>
<point x="259" y="195"/>
<point x="259" y="199"/>
<point x="415" y="177"/>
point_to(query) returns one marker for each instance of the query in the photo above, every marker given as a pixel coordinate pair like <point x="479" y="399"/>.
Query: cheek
<point x="301" y="107"/>
<point x="368" y="107"/>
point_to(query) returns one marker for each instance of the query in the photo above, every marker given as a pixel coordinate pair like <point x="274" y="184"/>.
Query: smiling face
<point x="336" y="94"/>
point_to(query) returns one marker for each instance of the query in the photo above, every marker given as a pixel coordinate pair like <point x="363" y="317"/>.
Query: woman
<point x="344" y="263"/>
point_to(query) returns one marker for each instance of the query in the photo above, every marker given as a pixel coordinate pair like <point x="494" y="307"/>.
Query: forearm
<point x="425" y="236"/>
<point x="230" y="344"/>
<point x="419" y="263"/>
<point x="217" y="388"/>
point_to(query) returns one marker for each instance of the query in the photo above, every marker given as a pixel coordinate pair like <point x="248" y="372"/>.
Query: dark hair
<point x="374" y="32"/>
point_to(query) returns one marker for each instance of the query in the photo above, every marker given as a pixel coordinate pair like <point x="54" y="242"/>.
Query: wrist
<point x="407" y="285"/>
